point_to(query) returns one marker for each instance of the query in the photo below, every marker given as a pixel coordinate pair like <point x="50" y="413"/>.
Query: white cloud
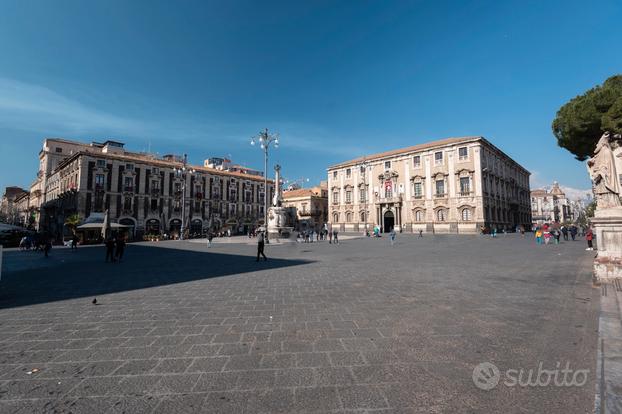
<point x="575" y="194"/>
<point x="36" y="108"/>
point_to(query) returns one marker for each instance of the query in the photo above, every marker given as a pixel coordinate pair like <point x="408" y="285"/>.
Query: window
<point x="155" y="185"/>
<point x="304" y="207"/>
<point x="127" y="204"/>
<point x="463" y="153"/>
<point x="176" y="205"/>
<point x="362" y="170"/>
<point x="348" y="196"/>
<point x="418" y="190"/>
<point x="154" y="204"/>
<point x="419" y="215"/>
<point x="466" y="214"/>
<point x="129" y="184"/>
<point x="440" y="187"/>
<point x="388" y="189"/>
<point x="129" y="167"/>
<point x="59" y="149"/>
<point x="465" y="186"/>
<point x="335" y="197"/>
<point x="99" y="181"/>
<point x="440" y="215"/>
<point x="197" y="206"/>
<point x="438" y="158"/>
<point x="387" y="165"/>
<point x="101" y="163"/>
<point x="362" y="194"/>
<point x="335" y="217"/>
<point x="334" y="175"/>
<point x="362" y="216"/>
<point x="232" y="210"/>
<point x="348" y="217"/>
<point x="417" y="161"/>
<point x="178" y="189"/>
<point x="348" y="172"/>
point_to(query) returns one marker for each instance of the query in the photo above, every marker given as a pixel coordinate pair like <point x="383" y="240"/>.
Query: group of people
<point x="115" y="247"/>
<point x="545" y="234"/>
<point x="36" y="242"/>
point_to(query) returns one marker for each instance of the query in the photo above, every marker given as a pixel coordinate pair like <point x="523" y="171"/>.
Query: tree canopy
<point x="580" y="122"/>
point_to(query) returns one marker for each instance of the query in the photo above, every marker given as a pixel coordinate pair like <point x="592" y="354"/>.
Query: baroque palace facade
<point x="141" y="191"/>
<point x="454" y="185"/>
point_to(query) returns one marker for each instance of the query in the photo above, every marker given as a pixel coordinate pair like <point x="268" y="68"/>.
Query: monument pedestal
<point x="607" y="227"/>
<point x="278" y="224"/>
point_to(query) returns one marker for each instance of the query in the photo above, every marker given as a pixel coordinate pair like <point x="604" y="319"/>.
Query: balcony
<point x="309" y="213"/>
<point x="465" y="193"/>
<point x="390" y="200"/>
<point x="155" y="192"/>
<point x="440" y="195"/>
<point x="128" y="189"/>
<point x="198" y="196"/>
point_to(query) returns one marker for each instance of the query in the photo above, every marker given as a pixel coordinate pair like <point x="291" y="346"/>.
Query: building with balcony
<point x="454" y="185"/>
<point x="548" y="206"/>
<point x="14" y="206"/>
<point x="142" y="191"/>
<point x="311" y="206"/>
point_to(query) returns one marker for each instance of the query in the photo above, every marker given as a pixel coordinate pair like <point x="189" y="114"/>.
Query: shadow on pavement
<point x="28" y="278"/>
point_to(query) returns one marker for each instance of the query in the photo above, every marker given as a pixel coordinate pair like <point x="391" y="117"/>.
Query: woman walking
<point x="589" y="236"/>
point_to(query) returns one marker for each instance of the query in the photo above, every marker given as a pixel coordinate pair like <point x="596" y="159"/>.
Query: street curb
<point x="609" y="353"/>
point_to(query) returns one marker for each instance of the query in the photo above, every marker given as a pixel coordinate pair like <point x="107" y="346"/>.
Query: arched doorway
<point x="389" y="221"/>
<point x="174" y="228"/>
<point x="128" y="231"/>
<point x="196" y="228"/>
<point x="152" y="227"/>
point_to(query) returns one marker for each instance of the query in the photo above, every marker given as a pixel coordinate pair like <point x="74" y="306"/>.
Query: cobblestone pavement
<point x="359" y="327"/>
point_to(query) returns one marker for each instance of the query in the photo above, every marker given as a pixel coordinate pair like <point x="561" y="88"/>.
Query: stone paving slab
<point x="361" y="327"/>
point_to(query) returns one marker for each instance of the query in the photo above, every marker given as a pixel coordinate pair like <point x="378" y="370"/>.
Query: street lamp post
<point x="265" y="139"/>
<point x="181" y="173"/>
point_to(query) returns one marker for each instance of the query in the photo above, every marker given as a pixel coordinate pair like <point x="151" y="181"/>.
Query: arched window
<point x="466" y="214"/>
<point x="418" y="215"/>
<point x="362" y="216"/>
<point x="348" y="217"/>
<point x="440" y="215"/>
<point x="335" y="217"/>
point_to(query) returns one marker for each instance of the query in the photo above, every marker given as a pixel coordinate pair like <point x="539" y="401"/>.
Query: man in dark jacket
<point x="110" y="249"/>
<point x="261" y="240"/>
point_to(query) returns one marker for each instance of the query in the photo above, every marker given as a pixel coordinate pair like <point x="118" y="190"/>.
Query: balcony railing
<point x="198" y="196"/>
<point x="466" y="193"/>
<point x="392" y="199"/>
<point x="440" y="195"/>
<point x="155" y="192"/>
<point x="128" y="189"/>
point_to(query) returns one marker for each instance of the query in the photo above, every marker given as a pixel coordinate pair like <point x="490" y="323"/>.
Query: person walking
<point x="538" y="234"/>
<point x="420" y="233"/>
<point x="261" y="241"/>
<point x="120" y="247"/>
<point x="210" y="236"/>
<point x="392" y="236"/>
<point x="556" y="235"/>
<point x="47" y="245"/>
<point x="110" y="249"/>
<point x="74" y="242"/>
<point x="335" y="238"/>
<point x="589" y="236"/>
<point x="573" y="232"/>
<point x="330" y="237"/>
<point x="565" y="232"/>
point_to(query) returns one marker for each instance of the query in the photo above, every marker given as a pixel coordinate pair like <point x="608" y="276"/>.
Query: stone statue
<point x="604" y="175"/>
<point x="277" y="200"/>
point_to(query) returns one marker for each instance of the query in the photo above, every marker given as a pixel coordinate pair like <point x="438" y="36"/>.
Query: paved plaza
<point x="362" y="327"/>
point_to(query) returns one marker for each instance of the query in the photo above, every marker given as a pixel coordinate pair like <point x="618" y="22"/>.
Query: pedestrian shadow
<point x="84" y="274"/>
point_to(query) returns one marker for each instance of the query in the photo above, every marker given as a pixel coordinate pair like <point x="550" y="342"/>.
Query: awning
<point x="99" y="226"/>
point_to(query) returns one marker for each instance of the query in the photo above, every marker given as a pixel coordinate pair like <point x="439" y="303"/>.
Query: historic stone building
<point x="549" y="206"/>
<point x="311" y="206"/>
<point x="454" y="185"/>
<point x="143" y="192"/>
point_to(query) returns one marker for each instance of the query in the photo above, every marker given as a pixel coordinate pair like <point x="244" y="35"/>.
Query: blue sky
<point x="336" y="79"/>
